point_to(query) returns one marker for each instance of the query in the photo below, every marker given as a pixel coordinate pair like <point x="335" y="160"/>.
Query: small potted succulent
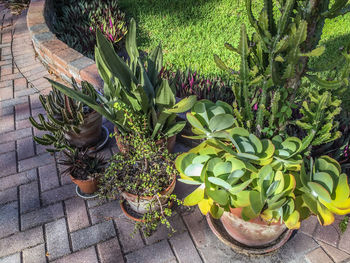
<point x="83" y="168"/>
<point x="144" y="177"/>
<point x="78" y="124"/>
<point x="137" y="85"/>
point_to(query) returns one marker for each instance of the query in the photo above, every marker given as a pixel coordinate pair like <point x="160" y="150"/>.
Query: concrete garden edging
<point x="59" y="58"/>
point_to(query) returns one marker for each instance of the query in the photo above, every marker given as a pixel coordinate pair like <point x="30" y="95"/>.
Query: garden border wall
<point x="59" y="58"/>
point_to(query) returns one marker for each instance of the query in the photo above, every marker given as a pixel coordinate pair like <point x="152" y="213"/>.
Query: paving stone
<point x="36" y="161"/>
<point x="7" y="123"/>
<point x="109" y="251"/>
<point x="8" y="195"/>
<point x="13" y="102"/>
<point x="156" y="253"/>
<point x="22" y="124"/>
<point x="17" y="179"/>
<point x="125" y="230"/>
<point x="309" y="225"/>
<point x="6" y="110"/>
<point x="29" y="197"/>
<point x="6" y="93"/>
<point x="318" y="256"/>
<point x="15" y="258"/>
<point x="105" y="212"/>
<point x="336" y="254"/>
<point x="344" y="242"/>
<point x="95" y="202"/>
<point x="34" y="254"/>
<point x="22" y="111"/>
<point x="184" y="248"/>
<point x="7" y="147"/>
<point x="20" y="84"/>
<point x="57" y="239"/>
<point x="25" y="148"/>
<point x="15" y="135"/>
<point x="327" y="234"/>
<point x="48" y="177"/>
<point x="20" y="241"/>
<point x="8" y="219"/>
<point x="96" y="234"/>
<point x="58" y="194"/>
<point x="41" y="216"/>
<point x="7" y="164"/>
<point x="163" y="232"/>
<point x="76" y="214"/>
<point x="85" y="256"/>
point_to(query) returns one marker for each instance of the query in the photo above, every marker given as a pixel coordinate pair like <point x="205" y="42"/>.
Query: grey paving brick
<point x="336" y="254"/>
<point x="58" y="194"/>
<point x="309" y="225"/>
<point x="34" y="254"/>
<point x="15" y="258"/>
<point x="35" y="161"/>
<point x="7" y="147"/>
<point x="318" y="256"/>
<point x="184" y="248"/>
<point x="20" y="241"/>
<point x="95" y="202"/>
<point x="85" y="256"/>
<point x="8" y="195"/>
<point x="109" y="251"/>
<point x="7" y="122"/>
<point x="96" y="234"/>
<point x="156" y="253"/>
<point x="29" y="197"/>
<point x="22" y="111"/>
<point x="9" y="219"/>
<point x="7" y="164"/>
<point x="77" y="216"/>
<point x="105" y="212"/>
<point x="17" y="179"/>
<point x="25" y="148"/>
<point x="327" y="234"/>
<point x="125" y="229"/>
<point x="57" y="239"/>
<point x="48" y="177"/>
<point x="41" y="216"/>
<point x="344" y="242"/>
<point x="163" y="232"/>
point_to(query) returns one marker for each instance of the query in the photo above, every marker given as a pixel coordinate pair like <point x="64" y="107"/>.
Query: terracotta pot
<point x="86" y="186"/>
<point x="124" y="148"/>
<point x="140" y="203"/>
<point x="90" y="131"/>
<point x="252" y="233"/>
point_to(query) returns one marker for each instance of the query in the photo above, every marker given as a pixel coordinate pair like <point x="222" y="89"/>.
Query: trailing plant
<point x="274" y="64"/>
<point x="145" y="170"/>
<point x="191" y="82"/>
<point x="76" y="23"/>
<point x="82" y="165"/>
<point x="63" y="115"/>
<point x="136" y="86"/>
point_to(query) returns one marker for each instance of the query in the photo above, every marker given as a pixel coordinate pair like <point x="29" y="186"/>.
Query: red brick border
<point x="62" y="60"/>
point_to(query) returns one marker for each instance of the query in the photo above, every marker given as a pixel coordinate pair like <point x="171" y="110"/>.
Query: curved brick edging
<point x="62" y="60"/>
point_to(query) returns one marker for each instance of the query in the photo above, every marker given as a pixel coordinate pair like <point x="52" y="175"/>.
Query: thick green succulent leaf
<point x="175" y="129"/>
<point x="319" y="191"/>
<point x="255" y="202"/>
<point x="219" y="196"/>
<point x="240" y="187"/>
<point x="183" y="105"/>
<point x="195" y="197"/>
<point x="221" y="122"/>
<point x="219" y="182"/>
<point x="194" y="170"/>
<point x="222" y="168"/>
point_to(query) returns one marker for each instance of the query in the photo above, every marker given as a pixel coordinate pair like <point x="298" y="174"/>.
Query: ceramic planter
<point x="86" y="186"/>
<point x="140" y="203"/>
<point x="124" y="148"/>
<point x="90" y="131"/>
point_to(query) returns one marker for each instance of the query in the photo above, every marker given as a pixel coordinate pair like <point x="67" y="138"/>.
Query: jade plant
<point x="63" y="115"/>
<point x="266" y="178"/>
<point x="135" y="85"/>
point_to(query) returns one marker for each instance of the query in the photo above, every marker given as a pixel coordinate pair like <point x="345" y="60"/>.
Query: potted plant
<point x="137" y="85"/>
<point x="83" y="168"/>
<point x="144" y="177"/>
<point x="78" y="124"/>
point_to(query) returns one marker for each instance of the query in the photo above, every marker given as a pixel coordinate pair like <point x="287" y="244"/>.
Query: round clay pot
<point x="86" y="186"/>
<point x="90" y="131"/>
<point x="140" y="203"/>
<point x="124" y="148"/>
<point x="252" y="233"/>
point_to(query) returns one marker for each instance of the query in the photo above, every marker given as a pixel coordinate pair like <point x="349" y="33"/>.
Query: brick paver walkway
<point x="42" y="219"/>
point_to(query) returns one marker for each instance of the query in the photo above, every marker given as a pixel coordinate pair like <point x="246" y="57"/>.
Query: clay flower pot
<point x="90" y="131"/>
<point x="86" y="186"/>
<point x="140" y="203"/>
<point x="252" y="233"/>
<point x="124" y="148"/>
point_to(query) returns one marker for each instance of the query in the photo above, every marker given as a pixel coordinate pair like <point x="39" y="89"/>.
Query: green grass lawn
<point x="191" y="31"/>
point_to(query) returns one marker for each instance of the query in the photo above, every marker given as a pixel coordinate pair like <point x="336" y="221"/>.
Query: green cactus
<point x="274" y="63"/>
<point x="63" y="115"/>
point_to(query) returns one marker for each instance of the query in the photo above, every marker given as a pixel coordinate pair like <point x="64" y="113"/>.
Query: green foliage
<point x="76" y="23"/>
<point x="136" y="86"/>
<point x="63" y="115"/>
<point x="343" y="225"/>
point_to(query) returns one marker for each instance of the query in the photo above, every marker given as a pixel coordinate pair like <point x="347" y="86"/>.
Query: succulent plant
<point x="131" y="85"/>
